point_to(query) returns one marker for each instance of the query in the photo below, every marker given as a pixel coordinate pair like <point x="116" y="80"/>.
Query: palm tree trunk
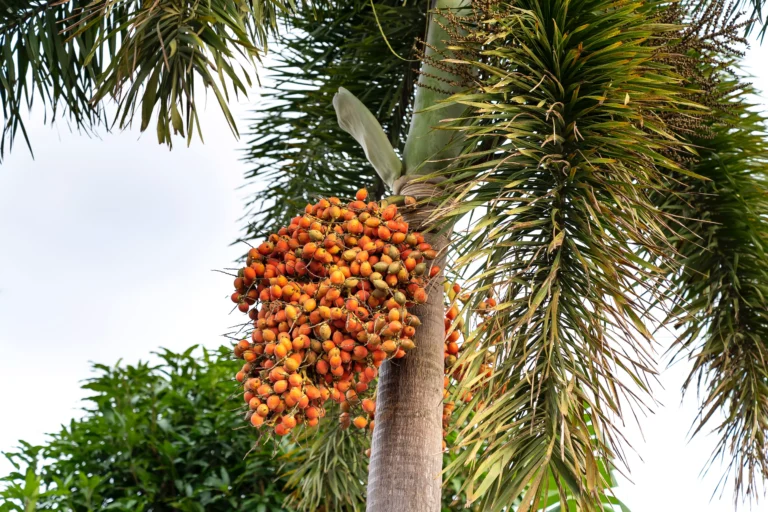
<point x="405" y="469"/>
<point x="406" y="458"/>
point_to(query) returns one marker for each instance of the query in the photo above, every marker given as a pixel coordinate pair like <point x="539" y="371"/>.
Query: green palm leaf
<point x="567" y="143"/>
<point x="153" y="59"/>
<point x="721" y="232"/>
<point x="296" y="147"/>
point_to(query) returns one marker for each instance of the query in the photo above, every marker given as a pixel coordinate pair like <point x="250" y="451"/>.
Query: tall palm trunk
<point x="406" y="458"/>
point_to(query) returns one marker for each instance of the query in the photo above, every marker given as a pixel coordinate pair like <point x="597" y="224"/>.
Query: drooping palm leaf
<point x="329" y="470"/>
<point x="148" y="57"/>
<point x="567" y="144"/>
<point x="721" y="234"/>
<point x="723" y="291"/>
<point x="296" y="147"/>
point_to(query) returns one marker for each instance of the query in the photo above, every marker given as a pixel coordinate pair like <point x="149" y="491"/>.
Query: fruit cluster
<point x="330" y="297"/>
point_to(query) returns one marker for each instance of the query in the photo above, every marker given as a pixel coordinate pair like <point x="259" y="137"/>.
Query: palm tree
<point x="593" y="165"/>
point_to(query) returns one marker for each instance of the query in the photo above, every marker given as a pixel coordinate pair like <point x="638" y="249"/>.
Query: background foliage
<point x="153" y="437"/>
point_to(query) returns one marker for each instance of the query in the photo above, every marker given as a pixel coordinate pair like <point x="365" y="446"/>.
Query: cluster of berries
<point x="330" y="298"/>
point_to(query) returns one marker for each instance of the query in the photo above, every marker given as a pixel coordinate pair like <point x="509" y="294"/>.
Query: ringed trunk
<point x="406" y="454"/>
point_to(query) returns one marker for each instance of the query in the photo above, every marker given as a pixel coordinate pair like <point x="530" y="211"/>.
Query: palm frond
<point x="150" y="58"/>
<point x="721" y="234"/>
<point x="296" y="147"/>
<point x="328" y="470"/>
<point x="566" y="145"/>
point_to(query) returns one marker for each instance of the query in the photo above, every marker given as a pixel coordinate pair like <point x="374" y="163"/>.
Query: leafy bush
<point x="154" y="437"/>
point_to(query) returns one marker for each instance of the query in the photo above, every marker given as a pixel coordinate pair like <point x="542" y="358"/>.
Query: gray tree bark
<point x="406" y="455"/>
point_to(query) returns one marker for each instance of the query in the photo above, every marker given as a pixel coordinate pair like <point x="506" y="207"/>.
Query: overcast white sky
<point x="106" y="252"/>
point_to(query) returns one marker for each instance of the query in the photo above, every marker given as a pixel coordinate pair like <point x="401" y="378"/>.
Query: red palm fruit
<point x="351" y="397"/>
<point x="361" y="194"/>
<point x="252" y="384"/>
<point x="273" y="402"/>
<point x="321" y="367"/>
<point x="389" y="213"/>
<point x="309" y="305"/>
<point x="337" y="277"/>
<point x="289" y="421"/>
<point x="277" y="373"/>
<point x="398" y="238"/>
<point x="352" y="305"/>
<point x="262" y="410"/>
<point x="281" y="430"/>
<point x="369" y="405"/>
<point x="453" y="348"/>
<point x="355" y="227"/>
<point x="359" y="353"/>
<point x="247" y="396"/>
<point x="295" y="394"/>
<point x="360" y="422"/>
<point x="312" y="392"/>
<point x="257" y="420"/>
<point x="280" y="386"/>
<point x="295" y="380"/>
